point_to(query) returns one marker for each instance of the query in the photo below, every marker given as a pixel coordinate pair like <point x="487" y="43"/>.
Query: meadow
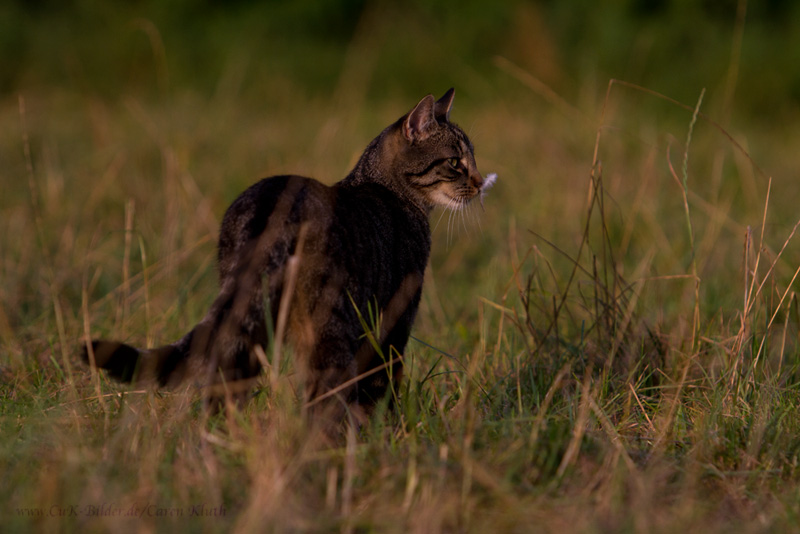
<point x="609" y="345"/>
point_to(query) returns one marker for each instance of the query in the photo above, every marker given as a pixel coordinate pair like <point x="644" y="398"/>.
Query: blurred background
<point x="257" y="50"/>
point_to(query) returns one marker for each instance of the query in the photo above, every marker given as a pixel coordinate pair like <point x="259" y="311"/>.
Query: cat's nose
<point x="477" y="179"/>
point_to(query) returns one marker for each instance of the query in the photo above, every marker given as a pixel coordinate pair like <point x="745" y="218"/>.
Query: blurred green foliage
<point x="676" y="47"/>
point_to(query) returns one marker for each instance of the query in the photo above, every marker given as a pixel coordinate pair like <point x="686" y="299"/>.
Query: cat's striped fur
<point x="323" y="254"/>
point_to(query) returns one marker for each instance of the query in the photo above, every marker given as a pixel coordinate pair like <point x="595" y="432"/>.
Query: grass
<point x="611" y="345"/>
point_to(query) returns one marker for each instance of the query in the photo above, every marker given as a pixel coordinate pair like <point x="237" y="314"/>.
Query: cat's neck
<point x="367" y="169"/>
<point x="405" y="198"/>
<point x="370" y="170"/>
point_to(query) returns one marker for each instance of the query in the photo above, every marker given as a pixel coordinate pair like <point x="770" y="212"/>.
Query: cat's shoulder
<point x="284" y="197"/>
<point x="269" y="190"/>
<point x="286" y="190"/>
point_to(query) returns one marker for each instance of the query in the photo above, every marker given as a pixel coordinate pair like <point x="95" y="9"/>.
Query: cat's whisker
<point x="477" y="216"/>
<point x="439" y="219"/>
<point x="450" y="212"/>
<point x="455" y="207"/>
<point x="475" y="219"/>
<point x="461" y="209"/>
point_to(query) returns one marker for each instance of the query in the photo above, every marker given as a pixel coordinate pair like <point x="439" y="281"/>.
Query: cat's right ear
<point x="443" y="105"/>
<point x="421" y="121"/>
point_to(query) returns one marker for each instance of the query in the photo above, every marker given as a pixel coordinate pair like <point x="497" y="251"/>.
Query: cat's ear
<point x="421" y="121"/>
<point x="443" y="105"/>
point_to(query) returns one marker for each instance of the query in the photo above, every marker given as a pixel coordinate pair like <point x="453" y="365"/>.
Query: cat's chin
<point x="453" y="203"/>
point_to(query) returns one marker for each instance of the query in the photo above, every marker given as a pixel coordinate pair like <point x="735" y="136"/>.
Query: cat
<point x="312" y="263"/>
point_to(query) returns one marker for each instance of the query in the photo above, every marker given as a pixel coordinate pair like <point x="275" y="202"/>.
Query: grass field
<point x="611" y="345"/>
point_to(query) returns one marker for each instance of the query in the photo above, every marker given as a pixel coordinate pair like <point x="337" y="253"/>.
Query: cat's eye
<point x="453" y="162"/>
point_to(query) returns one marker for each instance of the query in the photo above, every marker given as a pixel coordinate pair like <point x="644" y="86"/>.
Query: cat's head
<point x="425" y="157"/>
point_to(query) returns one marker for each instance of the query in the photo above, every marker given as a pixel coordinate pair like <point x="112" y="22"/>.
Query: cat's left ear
<point x="443" y="105"/>
<point x="421" y="121"/>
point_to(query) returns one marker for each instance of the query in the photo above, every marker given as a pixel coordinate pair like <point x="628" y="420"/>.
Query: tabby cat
<point x="308" y="263"/>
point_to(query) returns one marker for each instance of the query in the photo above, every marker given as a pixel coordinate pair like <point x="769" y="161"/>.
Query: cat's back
<point x="361" y="220"/>
<point x="269" y="214"/>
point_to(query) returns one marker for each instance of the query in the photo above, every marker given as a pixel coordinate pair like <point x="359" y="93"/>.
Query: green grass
<point x="610" y="346"/>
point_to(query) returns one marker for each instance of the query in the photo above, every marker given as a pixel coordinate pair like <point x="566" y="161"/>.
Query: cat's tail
<point x="219" y="350"/>
<point x="125" y="363"/>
